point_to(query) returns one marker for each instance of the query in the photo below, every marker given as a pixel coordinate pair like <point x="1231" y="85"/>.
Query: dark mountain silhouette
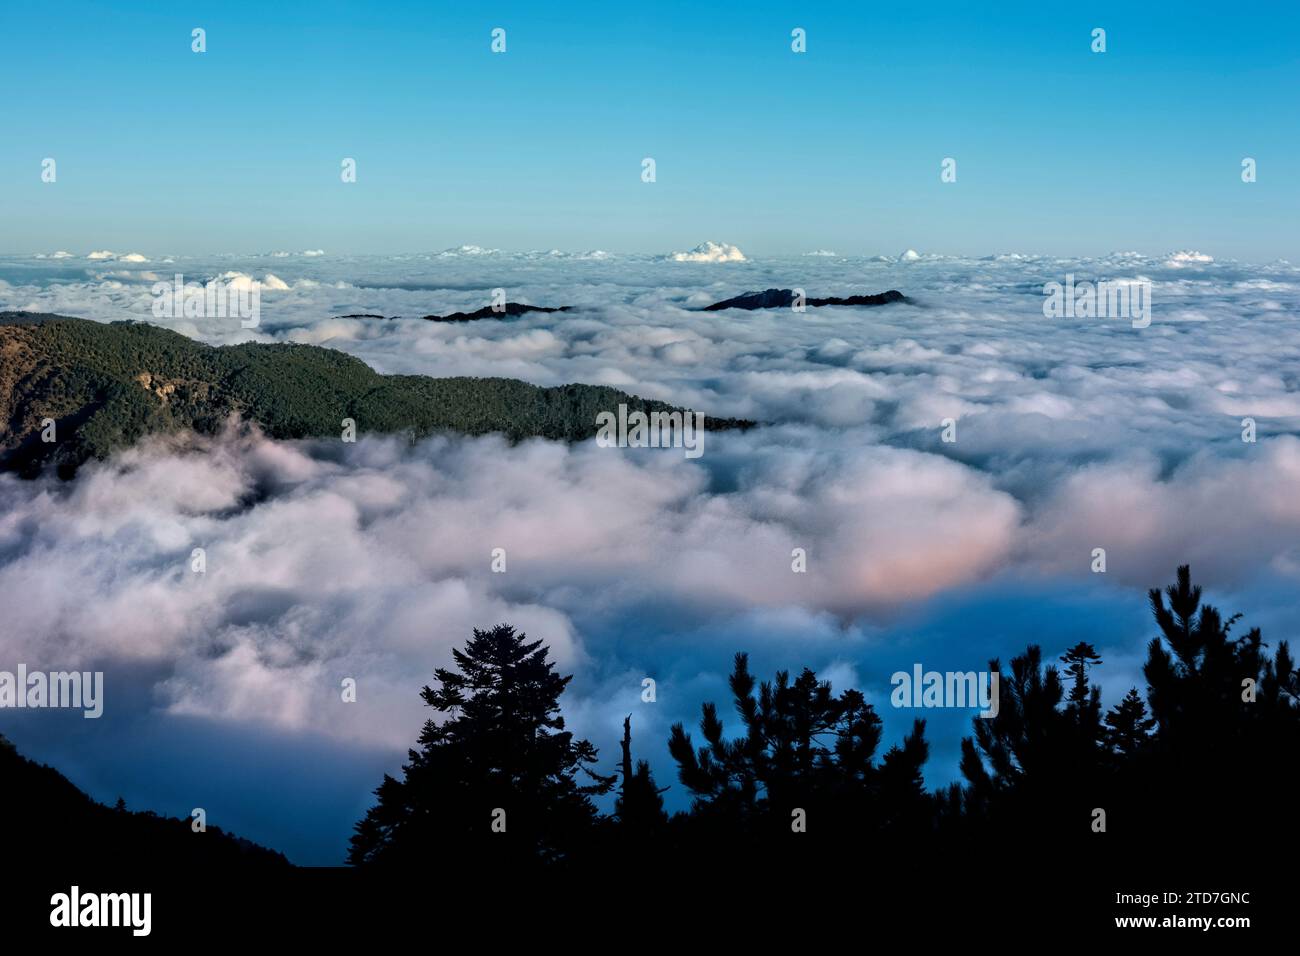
<point x="509" y="310"/>
<point x="47" y="818"/>
<point x="784" y="298"/>
<point x="108" y="385"/>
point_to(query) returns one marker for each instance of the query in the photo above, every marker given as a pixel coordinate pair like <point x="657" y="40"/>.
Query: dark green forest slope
<point x="107" y="385"/>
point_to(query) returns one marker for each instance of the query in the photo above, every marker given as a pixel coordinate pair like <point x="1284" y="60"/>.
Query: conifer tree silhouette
<point x="502" y="756"/>
<point x="1032" y="767"/>
<point x="639" y="808"/>
<point x="1083" y="711"/>
<point x="1084" y="702"/>
<point x="1128" y="726"/>
<point x="804" y="750"/>
<point x="1194" y="770"/>
<point x="1225" y="715"/>
<point x="1201" y="757"/>
<point x="904" y="804"/>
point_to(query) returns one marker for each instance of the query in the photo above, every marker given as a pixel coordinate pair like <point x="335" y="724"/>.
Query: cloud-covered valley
<point x="371" y="560"/>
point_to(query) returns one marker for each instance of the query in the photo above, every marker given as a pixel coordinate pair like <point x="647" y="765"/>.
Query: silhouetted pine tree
<point x="1210" y="758"/>
<point x="1033" y="766"/>
<point x="639" y="808"/>
<point x="804" y="750"/>
<point x="1084" y="702"/>
<point x="904" y="804"/>
<point x="1083" y="710"/>
<point x="1128" y="727"/>
<point x="1226" y="720"/>
<point x="1204" y="765"/>
<point x="503" y="747"/>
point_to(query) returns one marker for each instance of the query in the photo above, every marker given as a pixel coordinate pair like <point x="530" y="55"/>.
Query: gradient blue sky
<point x="1059" y="150"/>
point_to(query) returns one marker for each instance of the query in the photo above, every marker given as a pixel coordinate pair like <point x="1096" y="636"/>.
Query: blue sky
<point x="1059" y="150"/>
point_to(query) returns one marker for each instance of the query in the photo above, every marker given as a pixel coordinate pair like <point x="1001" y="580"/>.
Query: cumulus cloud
<point x="710" y="252"/>
<point x="1187" y="257"/>
<point x="307" y="551"/>
<point x="1230" y="517"/>
<point x="240" y="280"/>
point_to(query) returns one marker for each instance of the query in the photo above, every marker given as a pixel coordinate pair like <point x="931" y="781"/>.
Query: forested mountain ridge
<point x="106" y="385"/>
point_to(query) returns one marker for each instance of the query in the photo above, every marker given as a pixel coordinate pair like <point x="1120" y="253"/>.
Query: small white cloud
<point x="102" y="254"/>
<point x="133" y="257"/>
<point x="1186" y="257"/>
<point x="710" y="252"/>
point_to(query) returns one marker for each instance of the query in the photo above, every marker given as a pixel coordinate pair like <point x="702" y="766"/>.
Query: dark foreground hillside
<point x="45" y="818"/>
<point x="108" y="385"/>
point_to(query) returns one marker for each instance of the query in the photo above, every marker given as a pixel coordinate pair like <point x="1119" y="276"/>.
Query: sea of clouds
<point x="327" y="560"/>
